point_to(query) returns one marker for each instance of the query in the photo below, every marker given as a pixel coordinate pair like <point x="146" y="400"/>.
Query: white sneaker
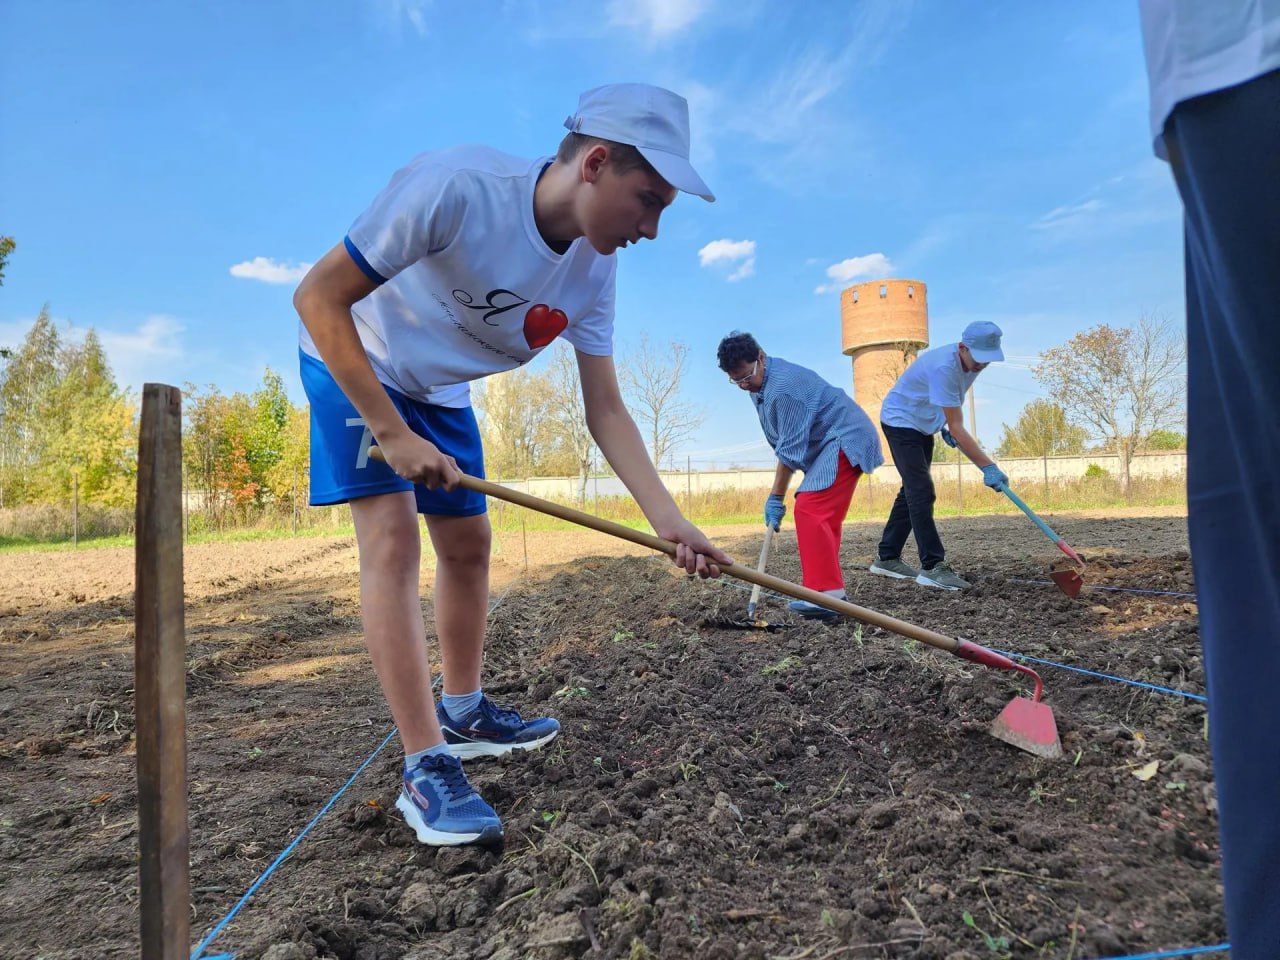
<point x="943" y="577"/>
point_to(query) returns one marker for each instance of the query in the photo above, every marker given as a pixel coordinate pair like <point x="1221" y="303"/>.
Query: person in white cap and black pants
<point x="468" y="263"/>
<point x="927" y="399"/>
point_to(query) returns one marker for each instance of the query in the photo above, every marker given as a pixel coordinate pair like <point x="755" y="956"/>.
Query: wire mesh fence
<point x="708" y="493"/>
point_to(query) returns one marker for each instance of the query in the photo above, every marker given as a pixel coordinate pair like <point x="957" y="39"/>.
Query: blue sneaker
<point x="492" y="731"/>
<point x="443" y="809"/>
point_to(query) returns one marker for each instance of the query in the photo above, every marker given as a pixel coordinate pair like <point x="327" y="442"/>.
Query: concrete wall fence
<point x="1021" y="471"/>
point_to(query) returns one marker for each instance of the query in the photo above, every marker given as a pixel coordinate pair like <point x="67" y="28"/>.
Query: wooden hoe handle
<point x="973" y="652"/>
<point x="742" y="572"/>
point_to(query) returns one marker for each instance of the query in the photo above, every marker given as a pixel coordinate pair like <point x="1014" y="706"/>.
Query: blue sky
<point x="167" y="169"/>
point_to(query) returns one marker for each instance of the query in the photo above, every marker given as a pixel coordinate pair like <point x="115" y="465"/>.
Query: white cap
<point x="982" y="337"/>
<point x="653" y="120"/>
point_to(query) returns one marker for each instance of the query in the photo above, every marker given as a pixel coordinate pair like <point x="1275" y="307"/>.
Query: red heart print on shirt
<point x="542" y="324"/>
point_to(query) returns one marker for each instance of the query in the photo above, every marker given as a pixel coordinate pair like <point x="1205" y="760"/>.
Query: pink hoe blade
<point x="1069" y="582"/>
<point x="1029" y="724"/>
<point x="1025" y="724"/>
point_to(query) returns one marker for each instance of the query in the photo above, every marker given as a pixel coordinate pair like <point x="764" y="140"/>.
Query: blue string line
<point x="435" y="685"/>
<point x="1188" y="952"/>
<point x="1089" y="586"/>
<point x="1023" y="656"/>
<point x="196" y="953"/>
<point x="1105" y="676"/>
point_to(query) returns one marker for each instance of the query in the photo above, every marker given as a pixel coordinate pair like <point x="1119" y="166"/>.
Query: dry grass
<point x="35" y="526"/>
<point x="871" y="502"/>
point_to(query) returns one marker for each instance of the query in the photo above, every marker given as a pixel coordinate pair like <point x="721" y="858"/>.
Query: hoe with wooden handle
<point x="1069" y="582"/>
<point x="1025" y="723"/>
<point x="764" y="559"/>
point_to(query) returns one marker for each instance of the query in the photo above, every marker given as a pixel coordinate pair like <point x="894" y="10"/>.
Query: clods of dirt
<point x="828" y="790"/>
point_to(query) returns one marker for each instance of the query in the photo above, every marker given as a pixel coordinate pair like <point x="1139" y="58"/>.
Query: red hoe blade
<point x="1026" y="724"/>
<point x="1068" y="581"/>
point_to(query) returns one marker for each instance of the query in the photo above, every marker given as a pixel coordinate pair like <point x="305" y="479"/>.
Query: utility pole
<point x="973" y="418"/>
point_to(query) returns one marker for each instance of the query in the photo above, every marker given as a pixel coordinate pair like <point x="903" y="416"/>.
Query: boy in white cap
<point x="926" y="399"/>
<point x="468" y="263"/>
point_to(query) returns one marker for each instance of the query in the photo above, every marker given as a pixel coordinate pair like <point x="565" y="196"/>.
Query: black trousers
<point x="912" y="511"/>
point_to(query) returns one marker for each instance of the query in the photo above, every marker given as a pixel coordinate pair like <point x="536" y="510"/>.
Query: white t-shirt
<point x="471" y="287"/>
<point x="933" y="381"/>
<point x="1195" y="47"/>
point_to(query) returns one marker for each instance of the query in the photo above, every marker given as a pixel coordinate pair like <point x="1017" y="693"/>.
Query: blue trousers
<point x="1225" y="152"/>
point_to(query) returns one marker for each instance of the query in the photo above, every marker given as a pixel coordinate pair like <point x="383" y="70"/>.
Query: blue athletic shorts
<point x="340" y="466"/>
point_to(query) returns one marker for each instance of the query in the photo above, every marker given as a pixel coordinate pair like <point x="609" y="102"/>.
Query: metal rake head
<point x="734" y="623"/>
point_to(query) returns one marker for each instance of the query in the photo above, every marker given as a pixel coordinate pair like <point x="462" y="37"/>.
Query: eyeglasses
<point x="739" y="381"/>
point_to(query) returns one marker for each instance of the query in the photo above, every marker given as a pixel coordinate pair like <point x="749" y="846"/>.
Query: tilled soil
<point x="820" y="791"/>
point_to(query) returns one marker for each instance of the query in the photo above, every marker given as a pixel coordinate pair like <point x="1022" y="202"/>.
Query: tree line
<point x="67" y="428"/>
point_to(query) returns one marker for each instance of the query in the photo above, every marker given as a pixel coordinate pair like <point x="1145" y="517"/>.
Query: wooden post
<point x="160" y="682"/>
<point x="75" y="510"/>
<point x="973" y="416"/>
<point x="1045" y="459"/>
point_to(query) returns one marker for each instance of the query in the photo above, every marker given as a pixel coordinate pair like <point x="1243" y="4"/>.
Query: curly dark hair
<point x="736" y="349"/>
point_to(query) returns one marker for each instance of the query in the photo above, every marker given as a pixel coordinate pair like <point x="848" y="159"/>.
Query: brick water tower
<point x="883" y="325"/>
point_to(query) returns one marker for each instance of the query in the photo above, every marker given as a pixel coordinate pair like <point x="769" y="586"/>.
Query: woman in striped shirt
<point x="815" y="428"/>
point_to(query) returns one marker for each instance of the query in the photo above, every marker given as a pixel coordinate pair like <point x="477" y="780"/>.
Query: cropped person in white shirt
<point x="1214" y="67"/>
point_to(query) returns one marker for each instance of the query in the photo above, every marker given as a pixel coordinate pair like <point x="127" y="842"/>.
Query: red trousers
<point x="819" y="516"/>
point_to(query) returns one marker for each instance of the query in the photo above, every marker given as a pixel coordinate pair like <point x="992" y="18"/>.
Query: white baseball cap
<point x="982" y="337"/>
<point x="653" y="120"/>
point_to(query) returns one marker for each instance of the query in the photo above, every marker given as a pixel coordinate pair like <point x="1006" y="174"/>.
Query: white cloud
<point x="846" y="271"/>
<point x="797" y="125"/>
<point x="786" y="108"/>
<point x="393" y="12"/>
<point x="730" y="250"/>
<point x="1067" y="215"/>
<point x="740" y="252"/>
<point x="12" y="333"/>
<point x="268" y="271"/>
<point x="661" y="19"/>
<point x="151" y="352"/>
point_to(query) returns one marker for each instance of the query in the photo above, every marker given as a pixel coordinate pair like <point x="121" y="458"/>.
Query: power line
<point x="1001" y="386"/>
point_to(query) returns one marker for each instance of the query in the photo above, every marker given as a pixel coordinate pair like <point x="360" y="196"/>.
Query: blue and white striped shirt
<point x="808" y="422"/>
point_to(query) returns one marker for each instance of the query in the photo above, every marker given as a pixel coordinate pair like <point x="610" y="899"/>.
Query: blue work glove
<point x="947" y="438"/>
<point x="774" y="511"/>
<point x="994" y="477"/>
